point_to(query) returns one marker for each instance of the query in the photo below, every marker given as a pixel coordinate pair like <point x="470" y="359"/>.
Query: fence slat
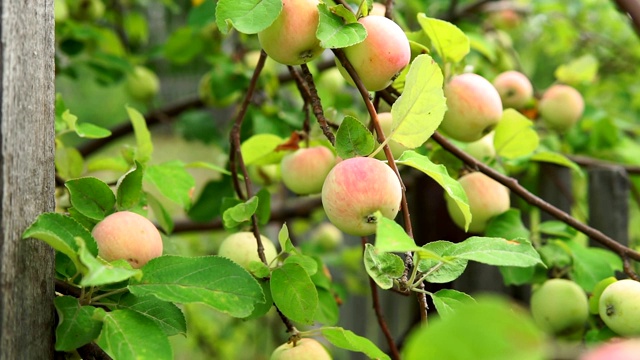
<point x="608" y="195"/>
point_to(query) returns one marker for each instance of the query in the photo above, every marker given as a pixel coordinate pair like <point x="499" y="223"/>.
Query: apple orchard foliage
<point x="107" y="301"/>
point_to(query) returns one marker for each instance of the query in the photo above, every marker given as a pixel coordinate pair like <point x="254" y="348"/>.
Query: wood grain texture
<point x="26" y="177"/>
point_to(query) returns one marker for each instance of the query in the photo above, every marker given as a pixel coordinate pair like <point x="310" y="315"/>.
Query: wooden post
<point x="27" y="177"/>
<point x="554" y="183"/>
<point x="609" y="202"/>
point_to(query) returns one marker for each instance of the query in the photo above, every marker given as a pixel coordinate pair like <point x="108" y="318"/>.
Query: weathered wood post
<point x="608" y="195"/>
<point x="26" y="177"/>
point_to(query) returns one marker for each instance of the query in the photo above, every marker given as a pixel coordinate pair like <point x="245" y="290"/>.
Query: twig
<point x="91" y="351"/>
<point x="316" y="105"/>
<point x="586" y="161"/>
<point x="632" y="9"/>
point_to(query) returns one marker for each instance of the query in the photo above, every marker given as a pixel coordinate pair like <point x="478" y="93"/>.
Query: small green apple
<point x="561" y="107"/>
<point x="474" y="107"/>
<point x="483" y="149"/>
<point x="620" y="307"/>
<point x="487" y="199"/>
<point x="128" y="236"/>
<point x="594" y="299"/>
<point x="305" y="349"/>
<point x="242" y="248"/>
<point x="304" y="170"/>
<point x="514" y="88"/>
<point x="355" y="189"/>
<point x="327" y="236"/>
<point x="143" y="84"/>
<point x="559" y="306"/>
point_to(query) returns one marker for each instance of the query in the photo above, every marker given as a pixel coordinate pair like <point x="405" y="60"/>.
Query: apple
<point x="620" y="308"/>
<point x="304" y="170"/>
<point x="143" y="84"/>
<point x="514" y="88"/>
<point x="594" y="298"/>
<point x="128" y="236"/>
<point x="242" y="248"/>
<point x="487" y="199"/>
<point x="381" y="56"/>
<point x="474" y="107"/>
<point x="377" y="9"/>
<point x="505" y="19"/>
<point x="265" y="175"/>
<point x="327" y="236"/>
<point x="616" y="349"/>
<point x="561" y="107"/>
<point x="291" y="39"/>
<point x="396" y="148"/>
<point x="559" y="306"/>
<point x="483" y="149"/>
<point x="355" y="189"/>
<point x="304" y="349"/>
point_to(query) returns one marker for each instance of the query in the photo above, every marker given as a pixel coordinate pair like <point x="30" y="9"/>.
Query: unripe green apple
<point x="482" y="149"/>
<point x="514" y="88"/>
<point x="594" y="298"/>
<point x="561" y="107"/>
<point x="291" y="39"/>
<point x="305" y="349"/>
<point x="620" y="307"/>
<point x="487" y="199"/>
<point x="559" y="306"/>
<point x="143" y="84"/>
<point x="128" y="236"/>
<point x="617" y="349"/>
<point x="327" y="236"/>
<point x="396" y="148"/>
<point x="265" y="175"/>
<point x="474" y="107"/>
<point x="242" y="248"/>
<point x="304" y="170"/>
<point x="381" y="56"/>
<point x="355" y="189"/>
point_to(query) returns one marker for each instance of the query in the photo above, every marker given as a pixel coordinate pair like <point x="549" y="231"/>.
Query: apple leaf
<point x="161" y="214"/>
<point x="173" y="181"/>
<point x="91" y="197"/>
<point x="353" y="139"/>
<point x="285" y="242"/>
<point x="247" y="16"/>
<point x="69" y="162"/>
<point x="507" y="225"/>
<point x="97" y="272"/>
<point x="143" y="136"/>
<point x="129" y="186"/>
<point x="448" y="40"/>
<point x="391" y="237"/>
<point x="294" y="293"/>
<point x="260" y="150"/>
<point x="76" y="324"/>
<point x="263" y="212"/>
<point x="240" y="213"/>
<point x="91" y="131"/>
<point x="497" y="251"/>
<point x="127" y="334"/>
<point x="212" y="280"/>
<point x="448" y="300"/>
<point x="490" y="328"/>
<point x="581" y="70"/>
<point x="420" y="109"/>
<point x="383" y="267"/>
<point x="346" y="339"/>
<point x="557" y="229"/>
<point x="514" y="136"/>
<point x="558" y="159"/>
<point x="165" y="314"/>
<point x="441" y="176"/>
<point x="308" y="263"/>
<point x="328" y="311"/>
<point x="591" y="265"/>
<point x="333" y="32"/>
<point x="441" y="270"/>
<point x="262" y="308"/>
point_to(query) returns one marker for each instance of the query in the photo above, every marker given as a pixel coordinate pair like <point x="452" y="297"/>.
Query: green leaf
<point x="60" y="232"/>
<point x="129" y="335"/>
<point x="207" y="165"/>
<point x="420" y="109"/>
<point x="514" y="136"/>
<point x="353" y="139"/>
<point x="91" y="131"/>
<point x="129" y="186"/>
<point x="247" y="16"/>
<point x="447" y="39"/>
<point x="261" y="309"/>
<point x="391" y="237"/>
<point x="448" y="300"/>
<point x="497" y="251"/>
<point x="382" y="267"/>
<point x="260" y="150"/>
<point x="333" y="32"/>
<point x="441" y="270"/>
<point x="294" y="293"/>
<point x="91" y="197"/>
<point x="489" y="329"/>
<point x="513" y="275"/>
<point x="439" y="173"/>
<point x="69" y="162"/>
<point x="346" y="339"/>
<point x="328" y="311"/>
<point x="101" y="272"/>
<point x="76" y="324"/>
<point x="308" y="263"/>
<point x="507" y="225"/>
<point x="581" y="70"/>
<point x="183" y="45"/>
<point x="161" y="214"/>
<point x="143" y="136"/>
<point x="212" y="280"/>
<point x="558" y="159"/>
<point x="285" y="242"/>
<point x="165" y="314"/>
<point x="591" y="265"/>
<point x="263" y="212"/>
<point x="238" y="214"/>
<point x="557" y="229"/>
<point x="173" y="181"/>
<point x="208" y="205"/>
